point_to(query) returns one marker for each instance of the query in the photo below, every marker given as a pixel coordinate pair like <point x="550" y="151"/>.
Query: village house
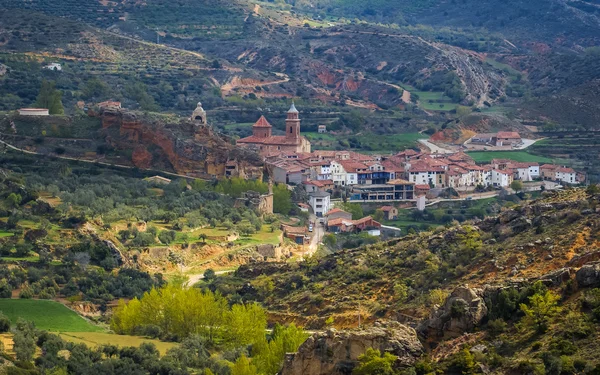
<point x="507" y="139"/>
<point x="265" y="142"/>
<point x="557" y="173"/>
<point x="289" y="171"/>
<point x="526" y="171"/>
<point x="319" y="201"/>
<point x="336" y="213"/>
<point x="322" y="129"/>
<point x="427" y="171"/>
<point x="390" y="212"/>
<point x="318" y="185"/>
<point x="501" y="178"/>
<point x="343" y="225"/>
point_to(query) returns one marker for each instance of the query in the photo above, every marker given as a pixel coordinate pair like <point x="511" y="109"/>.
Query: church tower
<point x="292" y="124"/>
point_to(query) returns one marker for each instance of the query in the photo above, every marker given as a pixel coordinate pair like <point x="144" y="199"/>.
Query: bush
<point x="496" y="327"/>
<point x="4" y="323"/>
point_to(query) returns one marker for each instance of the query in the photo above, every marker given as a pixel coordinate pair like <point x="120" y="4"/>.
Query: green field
<point x="47" y="315"/>
<point x="5" y="234"/>
<point x="520" y="156"/>
<point x="94" y="339"/>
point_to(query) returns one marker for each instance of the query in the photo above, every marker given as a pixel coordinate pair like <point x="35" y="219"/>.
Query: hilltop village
<point x="404" y="176"/>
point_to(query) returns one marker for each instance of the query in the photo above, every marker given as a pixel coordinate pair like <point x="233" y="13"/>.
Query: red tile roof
<point x="273" y="140"/>
<point x="352" y="166"/>
<point x="423" y="187"/>
<point x="387" y="208"/>
<point x="508" y="135"/>
<point x="262" y="123"/>
<point x="319" y="183"/>
<point x="336" y="210"/>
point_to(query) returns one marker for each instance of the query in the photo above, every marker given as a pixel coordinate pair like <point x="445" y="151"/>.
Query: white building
<point x="566" y="175"/>
<point x="526" y="171"/>
<point x="34" y="112"/>
<point x="319" y="201"/>
<point x="501" y="178"/>
<point x="338" y="174"/>
<point x="53" y="66"/>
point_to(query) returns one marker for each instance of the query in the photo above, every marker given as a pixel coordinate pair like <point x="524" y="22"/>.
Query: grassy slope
<point x="520" y="156"/>
<point x="48" y="315"/>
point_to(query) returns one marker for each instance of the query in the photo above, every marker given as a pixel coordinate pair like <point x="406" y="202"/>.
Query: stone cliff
<point x="182" y="147"/>
<point x="336" y="352"/>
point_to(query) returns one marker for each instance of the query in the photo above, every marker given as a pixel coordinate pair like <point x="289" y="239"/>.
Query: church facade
<point x="263" y="141"/>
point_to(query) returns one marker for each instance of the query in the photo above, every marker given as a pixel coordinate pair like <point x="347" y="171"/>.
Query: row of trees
<point x="179" y="312"/>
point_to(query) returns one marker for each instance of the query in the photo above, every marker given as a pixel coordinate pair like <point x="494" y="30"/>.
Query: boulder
<point x="557" y="277"/>
<point x="336" y="352"/>
<point x="463" y="310"/>
<point x="589" y="275"/>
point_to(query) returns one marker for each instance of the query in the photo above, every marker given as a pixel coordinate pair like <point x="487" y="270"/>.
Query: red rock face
<point x="183" y="148"/>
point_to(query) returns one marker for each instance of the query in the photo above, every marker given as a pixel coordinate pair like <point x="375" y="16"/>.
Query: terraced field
<point x="47" y="315"/>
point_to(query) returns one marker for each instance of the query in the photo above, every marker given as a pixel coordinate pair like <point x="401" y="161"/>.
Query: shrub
<point x="4" y="323"/>
<point x="496" y="327"/>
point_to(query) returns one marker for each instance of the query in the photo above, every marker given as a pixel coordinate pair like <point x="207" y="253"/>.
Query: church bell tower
<point x="292" y="123"/>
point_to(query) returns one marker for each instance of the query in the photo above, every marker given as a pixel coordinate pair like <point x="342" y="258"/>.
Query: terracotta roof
<point x="387" y="208"/>
<point x="364" y="220"/>
<point x="339" y="222"/>
<point x="423" y="187"/>
<point x="303" y="205"/>
<point x="352" y="166"/>
<point x="506" y="172"/>
<point x="335" y="211"/>
<point x="565" y="170"/>
<point x="319" y="183"/>
<point x="294" y="230"/>
<point x="262" y="123"/>
<point x="399" y="181"/>
<point x="508" y="135"/>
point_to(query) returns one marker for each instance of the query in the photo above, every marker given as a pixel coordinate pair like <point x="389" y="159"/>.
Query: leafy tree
<point x="282" y="199"/>
<point x="24" y="340"/>
<point x="95" y="89"/>
<point x="243" y="367"/>
<point x="401" y="291"/>
<point x="245" y="325"/>
<point x="541" y="308"/>
<point x="51" y="98"/>
<point x="372" y="362"/>
<point x="378" y="215"/>
<point x="4" y="323"/>
<point x="516" y="185"/>
<point x="167" y="236"/>
<point x="209" y="275"/>
<point x="354" y="208"/>
<point x="13" y="200"/>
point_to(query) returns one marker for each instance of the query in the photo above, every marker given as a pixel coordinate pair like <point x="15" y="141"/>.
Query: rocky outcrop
<point x="463" y="310"/>
<point x="589" y="275"/>
<point x="180" y="146"/>
<point x="336" y="352"/>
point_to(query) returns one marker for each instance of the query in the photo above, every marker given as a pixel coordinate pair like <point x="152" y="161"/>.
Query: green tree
<point x="542" y="307"/>
<point x="94" y="89"/>
<point x="24" y="340"/>
<point x="243" y="367"/>
<point x="516" y="185"/>
<point x="245" y="325"/>
<point x="4" y="323"/>
<point x="13" y="200"/>
<point x="354" y="208"/>
<point x="372" y="362"/>
<point x="51" y="98"/>
<point x="378" y="215"/>
<point x="282" y="199"/>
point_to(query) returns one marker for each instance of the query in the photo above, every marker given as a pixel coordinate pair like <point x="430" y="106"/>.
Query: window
<point x="290" y="130"/>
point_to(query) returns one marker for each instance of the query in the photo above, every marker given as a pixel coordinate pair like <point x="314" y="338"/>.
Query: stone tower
<point x="199" y="115"/>
<point x="292" y="123"/>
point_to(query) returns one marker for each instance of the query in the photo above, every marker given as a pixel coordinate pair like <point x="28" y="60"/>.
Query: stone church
<point x="265" y="143"/>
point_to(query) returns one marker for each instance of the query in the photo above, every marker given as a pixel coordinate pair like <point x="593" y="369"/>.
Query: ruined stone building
<point x="263" y="141"/>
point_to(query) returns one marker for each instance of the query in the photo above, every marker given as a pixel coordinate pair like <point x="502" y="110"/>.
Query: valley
<point x="299" y="187"/>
